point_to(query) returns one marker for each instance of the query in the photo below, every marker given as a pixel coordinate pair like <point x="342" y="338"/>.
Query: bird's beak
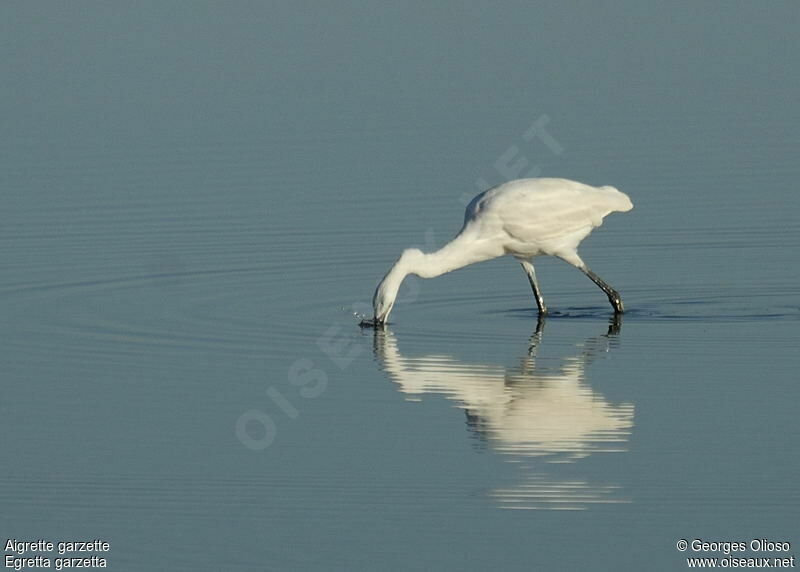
<point x="373" y="323"/>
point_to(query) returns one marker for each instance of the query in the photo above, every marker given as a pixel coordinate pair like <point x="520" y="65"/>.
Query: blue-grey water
<point x="198" y="200"/>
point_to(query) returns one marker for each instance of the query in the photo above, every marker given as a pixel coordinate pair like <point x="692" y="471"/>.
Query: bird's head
<point x="386" y="293"/>
<point x="382" y="303"/>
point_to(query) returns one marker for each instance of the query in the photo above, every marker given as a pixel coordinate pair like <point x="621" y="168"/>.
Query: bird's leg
<point x="536" y="337"/>
<point x="613" y="295"/>
<point x="615" y="325"/>
<point x="528" y="267"/>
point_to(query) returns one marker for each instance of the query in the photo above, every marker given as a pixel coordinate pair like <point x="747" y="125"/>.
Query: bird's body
<point x="523" y="218"/>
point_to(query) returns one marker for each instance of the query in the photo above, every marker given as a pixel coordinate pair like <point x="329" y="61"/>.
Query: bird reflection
<point x="540" y="411"/>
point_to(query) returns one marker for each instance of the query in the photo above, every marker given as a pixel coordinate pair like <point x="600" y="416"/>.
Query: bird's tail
<point x="618" y="201"/>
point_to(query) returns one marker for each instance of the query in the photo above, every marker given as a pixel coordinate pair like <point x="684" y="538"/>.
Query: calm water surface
<point x="199" y="200"/>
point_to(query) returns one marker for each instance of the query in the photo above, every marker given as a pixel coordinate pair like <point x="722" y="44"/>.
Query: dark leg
<point x="615" y="325"/>
<point x="613" y="295"/>
<point x="528" y="267"/>
<point x="536" y="337"/>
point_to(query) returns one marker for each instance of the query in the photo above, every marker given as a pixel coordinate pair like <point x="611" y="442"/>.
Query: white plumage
<point x="524" y="218"/>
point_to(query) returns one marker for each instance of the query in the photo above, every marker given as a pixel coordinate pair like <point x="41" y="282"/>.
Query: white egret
<point x="523" y="218"/>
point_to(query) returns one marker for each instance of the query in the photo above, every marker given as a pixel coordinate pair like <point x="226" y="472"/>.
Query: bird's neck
<point x="459" y="252"/>
<point x="414" y="261"/>
<point x="454" y="255"/>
